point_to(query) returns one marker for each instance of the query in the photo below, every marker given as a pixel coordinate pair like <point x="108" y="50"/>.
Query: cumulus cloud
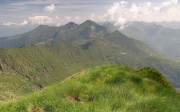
<point x="37" y="20"/>
<point x="92" y="15"/>
<point x="8" y="24"/>
<point x="122" y="12"/>
<point x="49" y="8"/>
<point x="40" y="20"/>
<point x="68" y="18"/>
<point x="15" y="24"/>
<point x="24" y="22"/>
<point x="77" y="18"/>
<point x="53" y="20"/>
<point x="48" y="20"/>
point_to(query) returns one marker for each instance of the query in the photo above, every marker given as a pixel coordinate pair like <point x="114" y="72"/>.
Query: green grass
<point x="14" y="86"/>
<point x="35" y="67"/>
<point x="103" y="89"/>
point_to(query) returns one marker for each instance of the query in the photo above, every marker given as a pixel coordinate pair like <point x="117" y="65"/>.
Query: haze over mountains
<point x="163" y="39"/>
<point x="6" y="31"/>
<point x="162" y="36"/>
<point x="172" y="24"/>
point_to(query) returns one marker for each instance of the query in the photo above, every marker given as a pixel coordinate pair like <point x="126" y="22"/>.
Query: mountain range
<point x="46" y="55"/>
<point x="159" y="36"/>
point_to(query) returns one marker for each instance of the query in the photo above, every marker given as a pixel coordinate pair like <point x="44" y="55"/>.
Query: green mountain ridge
<point x="103" y="89"/>
<point x="71" y="49"/>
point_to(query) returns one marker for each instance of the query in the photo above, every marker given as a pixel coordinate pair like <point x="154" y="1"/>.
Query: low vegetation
<point x="49" y="55"/>
<point x="103" y="89"/>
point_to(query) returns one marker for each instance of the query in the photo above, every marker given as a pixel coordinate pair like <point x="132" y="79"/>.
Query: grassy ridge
<point x="103" y="89"/>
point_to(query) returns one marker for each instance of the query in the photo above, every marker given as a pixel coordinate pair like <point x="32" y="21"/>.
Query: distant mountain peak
<point x="116" y="32"/>
<point x="69" y="25"/>
<point x="43" y="26"/>
<point x="43" y="29"/>
<point x="89" y="23"/>
<point x="93" y="26"/>
<point x="72" y="23"/>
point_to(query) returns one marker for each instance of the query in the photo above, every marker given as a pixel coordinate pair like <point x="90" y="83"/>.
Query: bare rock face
<point x="0" y="68"/>
<point x="6" y="70"/>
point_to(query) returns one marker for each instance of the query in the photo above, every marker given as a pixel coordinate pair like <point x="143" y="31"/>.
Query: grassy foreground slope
<point x="103" y="89"/>
<point x="31" y="68"/>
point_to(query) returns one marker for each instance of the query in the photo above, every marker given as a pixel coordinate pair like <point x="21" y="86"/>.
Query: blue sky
<point x="58" y="12"/>
<point x="16" y="10"/>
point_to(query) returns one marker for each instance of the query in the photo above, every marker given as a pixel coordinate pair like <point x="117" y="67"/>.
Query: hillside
<point x="71" y="49"/>
<point x="103" y="89"/>
<point x="40" y="34"/>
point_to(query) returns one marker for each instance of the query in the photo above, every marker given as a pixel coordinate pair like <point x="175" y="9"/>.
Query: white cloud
<point x="40" y="20"/>
<point x="48" y="20"/>
<point x="68" y="19"/>
<point x="8" y="24"/>
<point x="54" y="20"/>
<point x="92" y="16"/>
<point x="49" y="8"/>
<point x="15" y="24"/>
<point x="77" y="18"/>
<point x="122" y="12"/>
<point x="23" y="23"/>
<point x="121" y="22"/>
<point x="58" y="21"/>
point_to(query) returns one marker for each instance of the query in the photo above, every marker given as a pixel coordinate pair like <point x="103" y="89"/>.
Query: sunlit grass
<point x="102" y="89"/>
